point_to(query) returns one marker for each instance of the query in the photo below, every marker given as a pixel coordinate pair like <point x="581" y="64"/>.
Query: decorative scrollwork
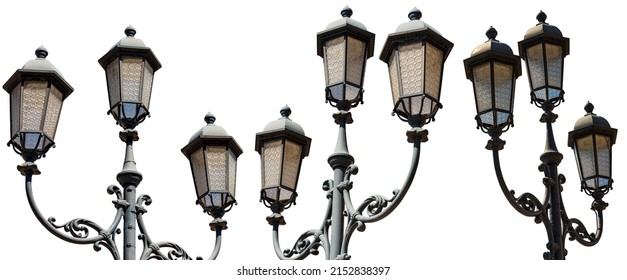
<point x="78" y="228"/>
<point x="528" y="202"/>
<point x="308" y="243"/>
<point x="153" y="251"/>
<point x="377" y="203"/>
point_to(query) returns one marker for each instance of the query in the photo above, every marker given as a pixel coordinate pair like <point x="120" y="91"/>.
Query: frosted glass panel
<point x="34" y="97"/>
<point x="53" y="112"/>
<point x="603" y="155"/>
<point x="483" y="87"/>
<point x="554" y="61"/>
<point x="147" y="87"/>
<point x="356" y="54"/>
<point x="433" y="70"/>
<point x="216" y="168"/>
<point x="16" y="104"/>
<point x="535" y="63"/>
<point x="351" y="93"/>
<point x="199" y="172"/>
<point x="113" y="81"/>
<point x="502" y="117"/>
<point x="131" y="78"/>
<point x="394" y="83"/>
<point x="585" y="154"/>
<point x="272" y="151"/>
<point x="232" y="172"/>
<point x="285" y="195"/>
<point x="411" y="58"/>
<point x="503" y="76"/>
<point x="291" y="164"/>
<point x="335" y="52"/>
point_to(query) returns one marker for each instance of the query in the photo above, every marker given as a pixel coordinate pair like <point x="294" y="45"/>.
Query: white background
<point x="243" y="61"/>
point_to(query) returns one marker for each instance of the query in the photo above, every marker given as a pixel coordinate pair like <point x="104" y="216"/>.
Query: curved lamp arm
<point x="577" y="230"/>
<point x="379" y="206"/>
<point x="153" y="250"/>
<point x="79" y="229"/>
<point x="526" y="204"/>
<point x="309" y="242"/>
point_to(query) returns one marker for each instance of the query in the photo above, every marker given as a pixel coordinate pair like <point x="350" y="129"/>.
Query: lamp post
<point x="37" y="92"/>
<point x="415" y="54"/>
<point x="493" y="69"/>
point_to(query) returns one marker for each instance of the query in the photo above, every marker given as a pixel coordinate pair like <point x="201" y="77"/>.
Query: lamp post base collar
<point x="28" y="168"/>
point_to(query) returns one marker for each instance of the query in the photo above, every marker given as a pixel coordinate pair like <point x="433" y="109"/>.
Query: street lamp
<point x="37" y="92"/>
<point x="418" y="53"/>
<point x="493" y="69"/>
<point x="415" y="55"/>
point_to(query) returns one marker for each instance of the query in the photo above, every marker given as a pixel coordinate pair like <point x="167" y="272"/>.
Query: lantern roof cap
<point x="211" y="134"/>
<point x="39" y="67"/>
<point x="591" y="123"/>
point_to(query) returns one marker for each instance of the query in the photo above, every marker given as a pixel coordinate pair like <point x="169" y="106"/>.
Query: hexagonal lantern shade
<point x="37" y="93"/>
<point x="592" y="140"/>
<point x="415" y="55"/>
<point x="282" y="146"/>
<point x="493" y="68"/>
<point x="544" y="49"/>
<point x="345" y="46"/>
<point x="129" y="67"/>
<point x="212" y="155"/>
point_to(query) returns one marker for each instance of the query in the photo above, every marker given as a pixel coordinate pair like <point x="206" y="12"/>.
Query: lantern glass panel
<point x="585" y="156"/>
<point x="483" y="87"/>
<point x="216" y="168"/>
<point x="554" y="61"/>
<point x="232" y="171"/>
<point x="16" y="107"/>
<point x="113" y="82"/>
<point x="411" y="67"/>
<point x="147" y="86"/>
<point x="433" y="74"/>
<point x="356" y="63"/>
<point x="34" y="97"/>
<point x="537" y="56"/>
<point x="394" y="82"/>
<point x="604" y="152"/>
<point x="131" y="78"/>
<point x="53" y="111"/>
<point x="503" y="77"/>
<point x="199" y="173"/>
<point x="271" y="159"/>
<point x="334" y="56"/>
<point x="291" y="164"/>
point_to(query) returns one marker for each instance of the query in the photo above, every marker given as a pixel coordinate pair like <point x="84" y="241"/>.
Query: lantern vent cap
<point x="492" y="44"/>
<point x="543" y="28"/>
